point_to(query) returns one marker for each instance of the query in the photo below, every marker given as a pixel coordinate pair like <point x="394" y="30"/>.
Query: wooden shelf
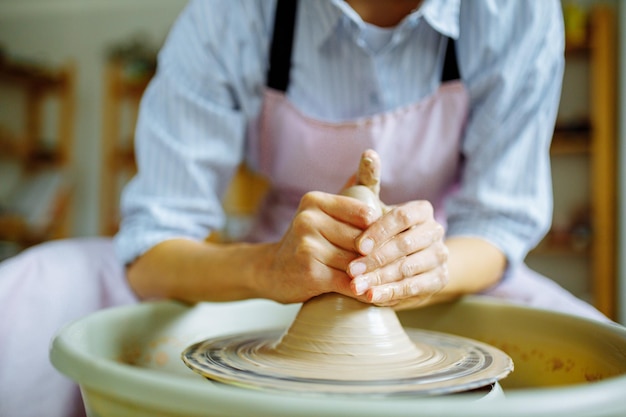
<point x="34" y="75"/>
<point x="37" y="209"/>
<point x="133" y="88"/>
<point x="603" y="82"/>
<point x="571" y="142"/>
<point x="125" y="158"/>
<point x="36" y="205"/>
<point x="578" y="51"/>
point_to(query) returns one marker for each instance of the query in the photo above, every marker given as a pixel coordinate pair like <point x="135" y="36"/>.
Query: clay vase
<point x="341" y="337"/>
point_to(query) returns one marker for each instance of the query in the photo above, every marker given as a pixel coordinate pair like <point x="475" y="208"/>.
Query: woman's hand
<point x="314" y="254"/>
<point x="404" y="257"/>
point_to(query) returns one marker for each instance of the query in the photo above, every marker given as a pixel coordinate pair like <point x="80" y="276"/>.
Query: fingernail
<point x="357" y="268"/>
<point x="360" y="286"/>
<point x="379" y="295"/>
<point x="366" y="246"/>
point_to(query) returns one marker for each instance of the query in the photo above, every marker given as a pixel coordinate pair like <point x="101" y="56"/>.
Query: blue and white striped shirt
<point x="211" y="74"/>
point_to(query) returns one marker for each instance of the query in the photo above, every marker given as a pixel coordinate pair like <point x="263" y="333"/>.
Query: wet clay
<point x="337" y="344"/>
<point x="359" y="339"/>
<point x="367" y="183"/>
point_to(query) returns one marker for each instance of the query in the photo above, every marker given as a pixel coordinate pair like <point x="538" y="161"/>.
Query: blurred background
<point x="72" y="73"/>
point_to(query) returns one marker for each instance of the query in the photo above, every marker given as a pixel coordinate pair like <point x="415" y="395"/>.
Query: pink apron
<point x="418" y="145"/>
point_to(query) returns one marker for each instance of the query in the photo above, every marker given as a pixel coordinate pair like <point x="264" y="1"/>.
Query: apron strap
<point x="450" y="68"/>
<point x="281" y="46"/>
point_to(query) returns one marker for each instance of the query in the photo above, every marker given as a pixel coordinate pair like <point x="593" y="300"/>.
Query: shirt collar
<point x="441" y="15"/>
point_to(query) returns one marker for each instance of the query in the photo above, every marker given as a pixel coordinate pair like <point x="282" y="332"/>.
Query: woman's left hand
<point x="404" y="257"/>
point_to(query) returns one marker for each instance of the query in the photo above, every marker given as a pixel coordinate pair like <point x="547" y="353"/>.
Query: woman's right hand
<point x="314" y="254"/>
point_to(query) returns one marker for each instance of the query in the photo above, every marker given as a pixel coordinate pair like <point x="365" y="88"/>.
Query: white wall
<point x="82" y="30"/>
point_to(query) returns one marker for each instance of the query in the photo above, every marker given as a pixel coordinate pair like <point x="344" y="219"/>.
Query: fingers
<point x="314" y="223"/>
<point x="422" y="286"/>
<point x="395" y="221"/>
<point x="410" y="292"/>
<point x="344" y="209"/>
<point x="390" y="253"/>
<point x="319" y="236"/>
<point x="405" y="256"/>
<point x="426" y="262"/>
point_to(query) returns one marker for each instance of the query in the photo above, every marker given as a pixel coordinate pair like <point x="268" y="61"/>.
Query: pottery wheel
<point x="337" y="345"/>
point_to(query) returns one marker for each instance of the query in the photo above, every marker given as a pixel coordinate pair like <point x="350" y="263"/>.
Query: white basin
<point x="127" y="362"/>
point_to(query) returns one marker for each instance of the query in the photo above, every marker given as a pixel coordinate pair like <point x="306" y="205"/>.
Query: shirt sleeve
<point x="511" y="57"/>
<point x="190" y="133"/>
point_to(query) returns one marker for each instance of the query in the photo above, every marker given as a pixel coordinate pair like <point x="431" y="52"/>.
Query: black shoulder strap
<point x="450" y="68"/>
<point x="281" y="46"/>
